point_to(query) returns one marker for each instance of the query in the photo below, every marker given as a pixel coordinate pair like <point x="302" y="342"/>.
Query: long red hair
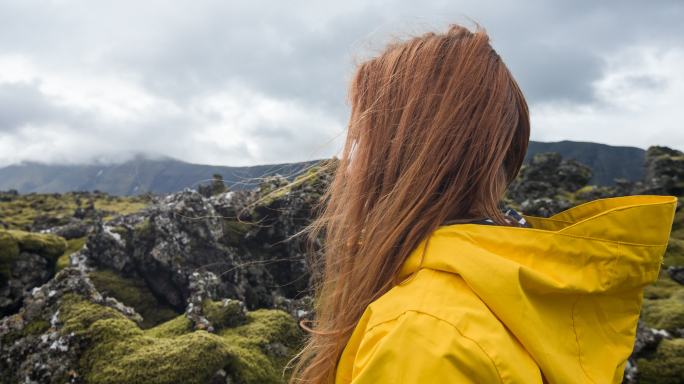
<point x="438" y="130"/>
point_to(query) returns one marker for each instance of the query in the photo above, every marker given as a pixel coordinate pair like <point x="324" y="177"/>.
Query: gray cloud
<point x="109" y="74"/>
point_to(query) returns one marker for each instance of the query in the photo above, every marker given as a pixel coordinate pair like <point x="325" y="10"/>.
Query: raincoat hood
<point x="569" y="289"/>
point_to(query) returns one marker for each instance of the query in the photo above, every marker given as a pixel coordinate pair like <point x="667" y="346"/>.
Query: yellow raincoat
<point x="556" y="303"/>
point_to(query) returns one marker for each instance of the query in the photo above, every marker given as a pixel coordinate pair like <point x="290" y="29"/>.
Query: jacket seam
<point x="614" y="209"/>
<point x="491" y="360"/>
<point x="559" y="233"/>
<point x="579" y="349"/>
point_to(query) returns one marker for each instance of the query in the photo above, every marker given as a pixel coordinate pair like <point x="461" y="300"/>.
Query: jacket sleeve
<point x="419" y="348"/>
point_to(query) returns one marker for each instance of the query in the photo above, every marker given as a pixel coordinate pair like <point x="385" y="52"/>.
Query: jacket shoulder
<point x="435" y="314"/>
<point x="442" y="295"/>
<point x="416" y="347"/>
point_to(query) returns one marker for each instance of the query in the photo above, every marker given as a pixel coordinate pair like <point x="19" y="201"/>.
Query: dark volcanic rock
<point x="32" y="349"/>
<point x="72" y="230"/>
<point x="27" y="271"/>
<point x="27" y="260"/>
<point x="664" y="171"/>
<point x="542" y="186"/>
<point x="240" y="238"/>
<point x="547" y="175"/>
<point x="646" y="342"/>
<point x="676" y="273"/>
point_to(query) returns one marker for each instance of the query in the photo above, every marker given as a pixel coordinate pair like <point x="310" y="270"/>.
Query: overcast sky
<point x="255" y="82"/>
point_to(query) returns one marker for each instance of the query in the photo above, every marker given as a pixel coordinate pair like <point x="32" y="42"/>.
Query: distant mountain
<point x="135" y="176"/>
<point x="607" y="162"/>
<point x="165" y="175"/>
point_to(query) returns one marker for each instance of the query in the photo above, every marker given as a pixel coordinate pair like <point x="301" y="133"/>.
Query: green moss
<point x="678" y="222"/>
<point x="566" y="195"/>
<point x="125" y="358"/>
<point x="119" y="230"/>
<point x="144" y="228"/>
<point x="222" y="314"/>
<point x="36" y="327"/>
<point x="73" y="245"/>
<point x="21" y="211"/>
<point x="180" y="325"/>
<point x="9" y="251"/>
<point x="663" y="288"/>
<point x="263" y="339"/>
<point x="117" y="351"/>
<point x="47" y="245"/>
<point x="665" y="313"/>
<point x="585" y="189"/>
<point x="233" y="231"/>
<point x="33" y="328"/>
<point x="674" y="255"/>
<point x="677" y="234"/>
<point x="133" y="293"/>
<point x="12" y="242"/>
<point x="666" y="366"/>
<point x="78" y="314"/>
<point x="115" y="206"/>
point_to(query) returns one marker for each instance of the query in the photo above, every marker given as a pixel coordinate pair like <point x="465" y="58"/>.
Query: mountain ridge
<point x="163" y="174"/>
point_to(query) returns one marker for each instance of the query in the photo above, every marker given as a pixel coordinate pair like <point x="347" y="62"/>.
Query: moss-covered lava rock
<point x="26" y="261"/>
<point x="118" y="351"/>
<point x="666" y="366"/>
<point x="73" y="245"/>
<point x="135" y="294"/>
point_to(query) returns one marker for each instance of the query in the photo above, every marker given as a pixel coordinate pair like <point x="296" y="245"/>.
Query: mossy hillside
<point x="73" y="245"/>
<point x="13" y="242"/>
<point x="21" y="211"/>
<point x="133" y="293"/>
<point x="118" y="351"/>
<point x="118" y="205"/>
<point x="666" y="366"/>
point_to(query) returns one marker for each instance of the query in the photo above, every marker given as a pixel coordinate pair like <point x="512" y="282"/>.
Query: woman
<point x="416" y="287"/>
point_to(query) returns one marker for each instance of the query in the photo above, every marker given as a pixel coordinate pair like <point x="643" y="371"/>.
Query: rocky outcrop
<point x="190" y="286"/>
<point x="238" y="238"/>
<point x="549" y="184"/>
<point x="664" y="171"/>
<point x="27" y="260"/>
<point x="34" y="346"/>
<point x="67" y="332"/>
<point x="543" y="186"/>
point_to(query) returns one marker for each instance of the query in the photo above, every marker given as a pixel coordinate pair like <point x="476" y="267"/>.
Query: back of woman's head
<point x="438" y="129"/>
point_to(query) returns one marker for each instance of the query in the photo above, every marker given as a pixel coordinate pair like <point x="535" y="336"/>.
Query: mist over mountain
<point x="166" y="175"/>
